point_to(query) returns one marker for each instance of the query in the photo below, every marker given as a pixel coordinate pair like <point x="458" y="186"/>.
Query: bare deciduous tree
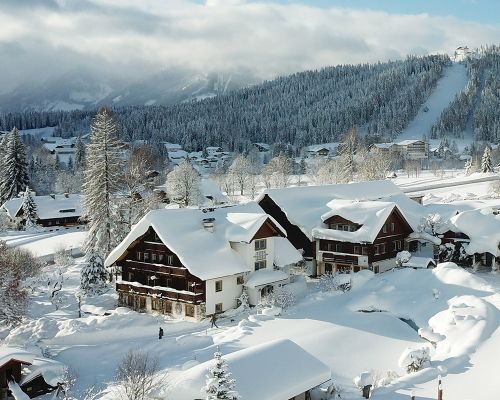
<point x="137" y="375"/>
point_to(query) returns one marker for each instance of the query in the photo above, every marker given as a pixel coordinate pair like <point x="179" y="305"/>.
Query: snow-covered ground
<point x="453" y="82"/>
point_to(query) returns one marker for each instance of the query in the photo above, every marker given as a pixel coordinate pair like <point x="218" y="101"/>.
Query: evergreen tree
<point x="346" y="152"/>
<point x="79" y="161"/>
<point x="93" y="275"/>
<point x="14" y="178"/>
<point x="29" y="210"/>
<point x="103" y="178"/>
<point x="220" y="383"/>
<point x="468" y="166"/>
<point x="486" y="163"/>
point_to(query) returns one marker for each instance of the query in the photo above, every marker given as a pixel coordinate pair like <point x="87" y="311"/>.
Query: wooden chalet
<point x="52" y="210"/>
<point x="32" y="374"/>
<point x="360" y="235"/>
<point x="189" y="263"/>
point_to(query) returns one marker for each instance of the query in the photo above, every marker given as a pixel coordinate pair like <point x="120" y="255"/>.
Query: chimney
<point x="52" y="195"/>
<point x="209" y="224"/>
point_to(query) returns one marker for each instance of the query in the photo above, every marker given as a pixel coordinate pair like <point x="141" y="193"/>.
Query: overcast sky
<point x="131" y="38"/>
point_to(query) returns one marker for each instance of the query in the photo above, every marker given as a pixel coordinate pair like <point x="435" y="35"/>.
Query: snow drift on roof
<point x="265" y="276"/>
<point x="279" y="369"/>
<point x="285" y="253"/>
<point x="13" y="353"/>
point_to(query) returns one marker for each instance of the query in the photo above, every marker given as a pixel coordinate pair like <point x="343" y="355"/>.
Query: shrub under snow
<point x="413" y="360"/>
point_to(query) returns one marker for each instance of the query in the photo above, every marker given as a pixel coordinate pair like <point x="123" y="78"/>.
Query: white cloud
<point x="269" y="39"/>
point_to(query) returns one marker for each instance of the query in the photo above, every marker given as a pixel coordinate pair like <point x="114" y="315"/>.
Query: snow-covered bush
<point x="333" y="282"/>
<point x="402" y="257"/>
<point x="242" y="301"/>
<point x="220" y="384"/>
<point x="413" y="360"/>
<point x="280" y="297"/>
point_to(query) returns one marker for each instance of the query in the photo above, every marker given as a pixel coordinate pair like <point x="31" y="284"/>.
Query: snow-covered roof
<point x="210" y="189"/>
<point x="265" y="276"/>
<point x="304" y="205"/>
<point x="49" y="207"/>
<point x="205" y="254"/>
<point x="177" y="154"/>
<point x="483" y="229"/>
<point x="383" y="145"/>
<point x="52" y="371"/>
<point x="408" y="142"/>
<point x="328" y="146"/>
<point x="419" y="262"/>
<point x="275" y="370"/>
<point x="285" y="253"/>
<point x="371" y="215"/>
<point x="14" y="353"/>
<point x="16" y="391"/>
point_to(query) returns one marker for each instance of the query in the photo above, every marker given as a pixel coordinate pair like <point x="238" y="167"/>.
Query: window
<point x="330" y="246"/>
<point x="153" y="257"/>
<point x="382" y="248"/>
<point x="364" y="251"/>
<point x="218" y="308"/>
<point x="239" y="280"/>
<point x="260" y="244"/>
<point x="168" y="282"/>
<point x="395" y="245"/>
<point x="399" y="244"/>
<point x="393" y="226"/>
<point x="170" y="259"/>
<point x="338" y="247"/>
<point x="384" y="229"/>
<point x="167" y="306"/>
<point x="218" y="286"/>
<point x="155" y="304"/>
<point x="357" y="250"/>
<point x="142" y="302"/>
<point x="189" y="310"/>
<point x="139" y="255"/>
<point x="146" y="257"/>
<point x="260" y="264"/>
<point x="130" y="277"/>
<point x="161" y="257"/>
<point x="377" y="251"/>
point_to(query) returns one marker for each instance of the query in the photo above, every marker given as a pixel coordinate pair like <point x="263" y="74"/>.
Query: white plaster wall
<point x="230" y="292"/>
<point x="247" y="252"/>
<point x="385" y="265"/>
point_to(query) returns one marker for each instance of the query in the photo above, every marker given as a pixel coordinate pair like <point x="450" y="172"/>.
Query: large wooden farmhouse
<point x="52" y="210"/>
<point x="360" y="235"/>
<point x="348" y="226"/>
<point x="189" y="263"/>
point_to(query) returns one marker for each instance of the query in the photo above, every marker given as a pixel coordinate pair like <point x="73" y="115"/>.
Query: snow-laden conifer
<point x="29" y="210"/>
<point x="103" y="178"/>
<point x="220" y="384"/>
<point x="79" y="160"/>
<point x="14" y="178"/>
<point x="93" y="275"/>
<point x="486" y="163"/>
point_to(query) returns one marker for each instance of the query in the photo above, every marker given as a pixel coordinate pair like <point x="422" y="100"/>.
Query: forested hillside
<point x="304" y="108"/>
<point x="476" y="109"/>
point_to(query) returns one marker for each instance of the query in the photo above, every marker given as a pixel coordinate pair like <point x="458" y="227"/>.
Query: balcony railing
<point x="165" y="293"/>
<point x="157" y="268"/>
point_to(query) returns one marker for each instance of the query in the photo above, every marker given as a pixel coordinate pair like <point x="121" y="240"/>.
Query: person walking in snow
<point x="160" y="333"/>
<point x="214" y="320"/>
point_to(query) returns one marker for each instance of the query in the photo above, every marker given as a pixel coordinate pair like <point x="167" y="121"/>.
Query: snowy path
<point x="453" y="82"/>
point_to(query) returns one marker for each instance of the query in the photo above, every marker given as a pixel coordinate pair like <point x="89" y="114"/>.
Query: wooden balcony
<point x="165" y="293"/>
<point x="340" y="259"/>
<point x="154" y="268"/>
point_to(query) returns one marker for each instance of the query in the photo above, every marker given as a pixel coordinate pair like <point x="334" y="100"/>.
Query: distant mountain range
<point x="81" y="90"/>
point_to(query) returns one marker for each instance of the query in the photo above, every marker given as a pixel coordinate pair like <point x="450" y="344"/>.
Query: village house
<point x="279" y="369"/>
<point x="27" y="372"/>
<point x="262" y="147"/>
<point x="360" y="235"/>
<point x="310" y="213"/>
<point x="411" y="149"/>
<point x="52" y="210"/>
<point x="322" y="150"/>
<point x="192" y="263"/>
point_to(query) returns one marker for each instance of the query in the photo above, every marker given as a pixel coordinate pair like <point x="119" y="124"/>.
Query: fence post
<point x="413" y="395"/>
<point x="440" y="389"/>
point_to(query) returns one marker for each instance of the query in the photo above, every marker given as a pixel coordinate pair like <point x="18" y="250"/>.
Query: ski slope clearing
<point x="351" y="332"/>
<point x="453" y="82"/>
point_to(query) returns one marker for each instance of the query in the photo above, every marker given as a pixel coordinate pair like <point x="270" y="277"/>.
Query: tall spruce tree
<point x="486" y="163"/>
<point x="79" y="160"/>
<point x="220" y="384"/>
<point x="14" y="178"/>
<point x="29" y="210"/>
<point x="103" y="178"/>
